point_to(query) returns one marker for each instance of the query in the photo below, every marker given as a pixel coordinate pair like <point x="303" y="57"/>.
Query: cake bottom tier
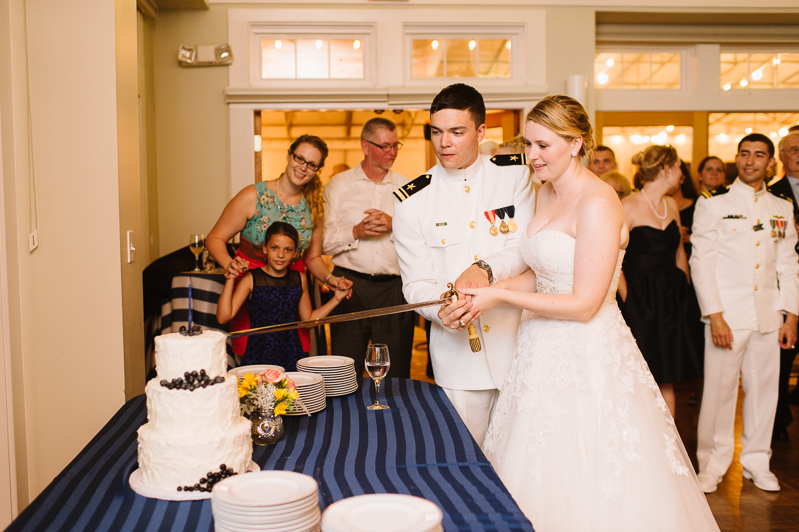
<point x="169" y="461"/>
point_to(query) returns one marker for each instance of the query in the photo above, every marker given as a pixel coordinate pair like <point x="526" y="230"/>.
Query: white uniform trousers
<point x="474" y="407"/>
<point x="756" y="357"/>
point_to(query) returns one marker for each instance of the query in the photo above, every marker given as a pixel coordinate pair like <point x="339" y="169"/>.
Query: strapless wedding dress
<point x="580" y="434"/>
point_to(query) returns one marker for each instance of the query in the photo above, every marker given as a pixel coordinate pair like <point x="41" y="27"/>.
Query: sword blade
<point x="363" y="314"/>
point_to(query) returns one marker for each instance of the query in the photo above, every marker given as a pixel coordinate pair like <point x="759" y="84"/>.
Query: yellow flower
<point x="280" y="394"/>
<point x="250" y="379"/>
<point x="281" y="408"/>
<point x="294" y="395"/>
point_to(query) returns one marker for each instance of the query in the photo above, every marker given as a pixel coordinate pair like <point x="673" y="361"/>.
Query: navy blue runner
<point x="418" y="447"/>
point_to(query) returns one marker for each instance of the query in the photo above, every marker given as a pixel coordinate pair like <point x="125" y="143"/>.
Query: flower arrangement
<point x="268" y="391"/>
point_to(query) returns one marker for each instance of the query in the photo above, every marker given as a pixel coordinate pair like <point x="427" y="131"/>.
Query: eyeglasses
<point x="386" y="147"/>
<point x="792" y="151"/>
<point x="300" y="160"/>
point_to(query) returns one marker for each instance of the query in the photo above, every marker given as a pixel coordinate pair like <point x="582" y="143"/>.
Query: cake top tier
<point x="176" y="354"/>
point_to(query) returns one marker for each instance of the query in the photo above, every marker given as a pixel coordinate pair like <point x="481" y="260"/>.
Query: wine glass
<point x="377" y="364"/>
<point x="197" y="245"/>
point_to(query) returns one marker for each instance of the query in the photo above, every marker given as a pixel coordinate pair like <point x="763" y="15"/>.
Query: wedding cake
<point x="195" y="434"/>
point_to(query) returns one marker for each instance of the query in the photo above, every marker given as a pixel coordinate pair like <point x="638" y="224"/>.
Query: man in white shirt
<point x="359" y="206"/>
<point x="746" y="276"/>
<point x="788" y="186"/>
<point x="461" y="222"/>
<point x="602" y="161"/>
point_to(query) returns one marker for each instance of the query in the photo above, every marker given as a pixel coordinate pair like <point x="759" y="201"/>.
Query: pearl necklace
<point x="666" y="207"/>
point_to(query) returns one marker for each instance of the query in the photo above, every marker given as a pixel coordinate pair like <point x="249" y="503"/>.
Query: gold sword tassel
<point x="474" y="340"/>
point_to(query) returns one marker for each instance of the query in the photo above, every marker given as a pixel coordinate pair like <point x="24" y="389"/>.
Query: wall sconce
<point x="205" y="55"/>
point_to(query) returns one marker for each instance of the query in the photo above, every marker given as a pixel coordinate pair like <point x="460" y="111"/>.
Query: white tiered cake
<point x="195" y="434"/>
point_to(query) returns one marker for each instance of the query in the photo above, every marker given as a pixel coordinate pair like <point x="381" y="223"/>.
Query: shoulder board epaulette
<point x="509" y="159"/>
<point x="406" y="191"/>
<point x="779" y="194"/>
<point x="716" y="191"/>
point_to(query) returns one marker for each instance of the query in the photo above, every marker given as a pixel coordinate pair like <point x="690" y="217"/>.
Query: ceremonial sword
<point x="449" y="297"/>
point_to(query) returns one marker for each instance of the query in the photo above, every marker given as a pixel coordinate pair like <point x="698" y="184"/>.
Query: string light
<point x="319" y="44"/>
<point x="472" y="44"/>
<point x="507" y="45"/>
<point x="278" y="44"/>
<point x="669" y="128"/>
<point x="356" y="44"/>
<point x="434" y="44"/>
<point x="757" y="74"/>
<point x="744" y="82"/>
<point x="727" y="86"/>
<point x="602" y="78"/>
<point x="748" y="130"/>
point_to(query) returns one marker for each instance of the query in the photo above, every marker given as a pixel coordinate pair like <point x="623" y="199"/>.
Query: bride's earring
<point x="574" y="154"/>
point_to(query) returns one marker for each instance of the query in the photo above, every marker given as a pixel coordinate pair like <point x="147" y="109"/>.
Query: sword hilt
<point x="474" y="340"/>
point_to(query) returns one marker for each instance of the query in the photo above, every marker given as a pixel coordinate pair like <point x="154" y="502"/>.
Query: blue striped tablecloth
<point x="418" y="447"/>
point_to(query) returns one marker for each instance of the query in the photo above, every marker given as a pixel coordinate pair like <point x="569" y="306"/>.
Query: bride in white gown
<point x="580" y="434"/>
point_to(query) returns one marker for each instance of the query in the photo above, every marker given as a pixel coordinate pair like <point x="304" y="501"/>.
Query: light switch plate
<point x="131" y="249"/>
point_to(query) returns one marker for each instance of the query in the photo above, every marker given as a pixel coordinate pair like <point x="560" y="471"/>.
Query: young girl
<point x="276" y="295"/>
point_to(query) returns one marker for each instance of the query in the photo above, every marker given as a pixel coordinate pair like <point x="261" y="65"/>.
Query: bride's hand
<point x="458" y="315"/>
<point x="484" y="299"/>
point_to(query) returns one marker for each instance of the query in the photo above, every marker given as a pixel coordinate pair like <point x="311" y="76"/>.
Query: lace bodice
<point x="550" y="254"/>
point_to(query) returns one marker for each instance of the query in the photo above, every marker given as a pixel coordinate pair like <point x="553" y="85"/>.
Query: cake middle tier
<point x="181" y="412"/>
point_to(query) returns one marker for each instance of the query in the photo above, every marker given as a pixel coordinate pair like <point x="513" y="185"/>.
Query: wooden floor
<point x="737" y="505"/>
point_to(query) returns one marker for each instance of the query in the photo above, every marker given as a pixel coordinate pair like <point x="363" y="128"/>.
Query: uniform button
<point x="472" y="224"/>
<point x="757" y="243"/>
<point x="477" y="257"/>
<point x="486" y="328"/>
<point x="443" y="240"/>
<point x="757" y="266"/>
<point x="755" y="289"/>
<point x="755" y="200"/>
<point x="466" y="188"/>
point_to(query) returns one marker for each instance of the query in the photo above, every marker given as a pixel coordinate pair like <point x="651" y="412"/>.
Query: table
<point x="418" y="447"/>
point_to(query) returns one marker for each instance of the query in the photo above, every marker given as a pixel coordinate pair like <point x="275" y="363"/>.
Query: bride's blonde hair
<point x="567" y="118"/>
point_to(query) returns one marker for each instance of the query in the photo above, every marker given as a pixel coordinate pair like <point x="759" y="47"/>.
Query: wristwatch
<point x="483" y="265"/>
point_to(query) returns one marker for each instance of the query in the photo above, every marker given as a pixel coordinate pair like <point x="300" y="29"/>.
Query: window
<point x="638" y="70"/>
<point x="314" y="58"/>
<point x="759" y="70"/>
<point x="461" y="58"/>
<point x="626" y="141"/>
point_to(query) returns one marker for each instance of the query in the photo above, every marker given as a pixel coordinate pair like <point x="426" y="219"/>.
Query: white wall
<point x="65" y="300"/>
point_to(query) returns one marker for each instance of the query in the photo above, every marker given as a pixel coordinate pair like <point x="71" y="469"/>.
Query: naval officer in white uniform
<point x="746" y="277"/>
<point x="461" y="223"/>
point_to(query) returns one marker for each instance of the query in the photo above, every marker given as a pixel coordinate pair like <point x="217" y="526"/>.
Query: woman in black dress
<point x="659" y="307"/>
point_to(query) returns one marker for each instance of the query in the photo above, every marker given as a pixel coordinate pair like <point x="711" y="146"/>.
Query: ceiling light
<point x="669" y="128"/>
<point x="722" y="137"/>
<point x="646" y="138"/>
<point x="507" y="45"/>
<point x="783" y="131"/>
<point x="773" y="134"/>
<point x="434" y="45"/>
<point x="617" y="139"/>
<point x="776" y="61"/>
<point x="610" y="62"/>
<point x="757" y="74"/>
<point x="319" y="44"/>
<point x="278" y="44"/>
<point x="680" y="139"/>
<point x="727" y="86"/>
<point x="356" y="44"/>
<point x="472" y="44"/>
<point x="748" y="130"/>
<point x="602" y="78"/>
<point x="744" y="82"/>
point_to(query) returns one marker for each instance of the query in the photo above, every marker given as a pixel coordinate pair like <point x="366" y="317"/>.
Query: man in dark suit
<point x="788" y="187"/>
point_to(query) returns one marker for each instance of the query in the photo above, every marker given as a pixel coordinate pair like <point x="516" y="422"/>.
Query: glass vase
<point x="267" y="428"/>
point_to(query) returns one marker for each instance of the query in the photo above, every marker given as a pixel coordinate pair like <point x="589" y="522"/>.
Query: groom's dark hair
<point x="463" y="98"/>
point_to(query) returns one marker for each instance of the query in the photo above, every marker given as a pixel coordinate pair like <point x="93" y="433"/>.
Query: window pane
<point x="346" y="59"/>
<point x="277" y="59"/>
<point x="461" y="58"/>
<point x="607" y="70"/>
<point x="313" y="59"/>
<point x="734" y="68"/>
<point x="428" y="58"/>
<point x="665" y="71"/>
<point x="761" y="71"/>
<point x="635" y="71"/>
<point x="787" y="71"/>
<point x="494" y="58"/>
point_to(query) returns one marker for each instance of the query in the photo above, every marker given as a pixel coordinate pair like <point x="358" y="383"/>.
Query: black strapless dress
<point x="661" y="309"/>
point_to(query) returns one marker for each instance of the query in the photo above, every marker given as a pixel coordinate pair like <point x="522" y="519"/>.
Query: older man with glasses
<point x="359" y="207"/>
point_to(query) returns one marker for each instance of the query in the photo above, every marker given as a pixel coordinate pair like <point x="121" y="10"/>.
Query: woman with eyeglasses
<point x="295" y="198"/>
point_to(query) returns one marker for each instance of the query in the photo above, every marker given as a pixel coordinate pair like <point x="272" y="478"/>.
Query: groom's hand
<point x="472" y="277"/>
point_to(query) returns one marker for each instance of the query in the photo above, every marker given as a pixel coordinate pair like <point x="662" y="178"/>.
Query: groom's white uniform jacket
<point x="440" y="229"/>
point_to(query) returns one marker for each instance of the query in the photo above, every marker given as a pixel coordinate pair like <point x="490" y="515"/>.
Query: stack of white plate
<point x="241" y="371"/>
<point x="267" y="500"/>
<point x="338" y="372"/>
<point x="385" y="511"/>
<point x="311" y="388"/>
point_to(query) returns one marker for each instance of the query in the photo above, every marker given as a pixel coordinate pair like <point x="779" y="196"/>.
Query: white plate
<point x="325" y="361"/>
<point x="304" y="378"/>
<point x="276" y="514"/>
<point x="265" y="488"/>
<point x="344" y="370"/>
<point x="241" y="371"/>
<point x="388" y="512"/>
<point x="261" y="523"/>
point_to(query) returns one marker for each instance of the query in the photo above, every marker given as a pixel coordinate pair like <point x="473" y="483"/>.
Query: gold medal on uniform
<point x="492" y="216"/>
<point x="511" y="210"/>
<point x="773" y="228"/>
<point x="503" y="227"/>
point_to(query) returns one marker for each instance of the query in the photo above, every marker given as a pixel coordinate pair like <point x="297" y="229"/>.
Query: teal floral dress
<point x="269" y="210"/>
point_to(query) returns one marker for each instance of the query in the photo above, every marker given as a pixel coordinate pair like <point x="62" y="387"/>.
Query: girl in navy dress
<point x="275" y="294"/>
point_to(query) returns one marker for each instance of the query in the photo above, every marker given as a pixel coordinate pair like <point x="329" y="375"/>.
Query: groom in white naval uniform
<point x="461" y="223"/>
<point x="746" y="277"/>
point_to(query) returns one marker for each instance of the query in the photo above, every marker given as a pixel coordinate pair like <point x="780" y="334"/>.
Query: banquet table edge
<point x="418" y="447"/>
